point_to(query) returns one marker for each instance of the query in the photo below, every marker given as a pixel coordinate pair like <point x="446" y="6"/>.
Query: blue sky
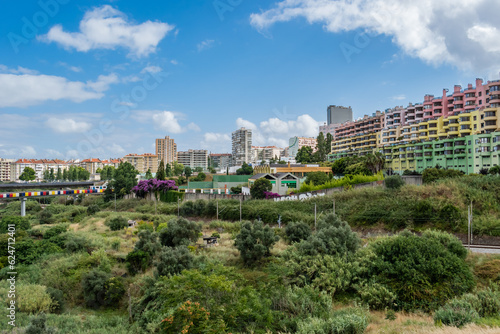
<point x="102" y="79"/>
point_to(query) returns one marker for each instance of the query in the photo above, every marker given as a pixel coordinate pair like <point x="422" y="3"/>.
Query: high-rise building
<point x="296" y="143"/>
<point x="242" y="146"/>
<point x="143" y="162"/>
<point x="338" y="114"/>
<point x="6" y="170"/>
<point x="166" y="149"/>
<point x="193" y="158"/>
<point x="265" y="153"/>
<point x="220" y="161"/>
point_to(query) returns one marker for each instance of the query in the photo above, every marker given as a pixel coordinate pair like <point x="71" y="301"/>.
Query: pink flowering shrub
<point x="270" y="195"/>
<point x="153" y="186"/>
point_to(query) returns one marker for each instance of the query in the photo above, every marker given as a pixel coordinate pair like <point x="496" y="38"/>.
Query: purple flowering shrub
<point x="270" y="195"/>
<point x="145" y="187"/>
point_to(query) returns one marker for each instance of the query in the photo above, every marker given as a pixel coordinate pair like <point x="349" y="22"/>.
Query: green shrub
<point x="297" y="231"/>
<point x="33" y="298"/>
<point x="259" y="187"/>
<point x="350" y="321"/>
<point x="148" y="242"/>
<point x="117" y="223"/>
<point x="421" y="271"/>
<point x="21" y="223"/>
<point x="54" y="231"/>
<point x="172" y="261"/>
<point x="456" y="313"/>
<point x="93" y="209"/>
<point x="423" y="212"/>
<point x="94" y="288"/>
<point x="452" y="243"/>
<point x="489" y="302"/>
<point x="46" y="217"/>
<point x="180" y="231"/>
<point x="192" y="318"/>
<point x="76" y="243"/>
<point x="450" y="216"/>
<point x="57" y="297"/>
<point x="37" y="325"/>
<point x="334" y="237"/>
<point x="137" y="261"/>
<point x="394" y="182"/>
<point x="115" y="290"/>
<point x="255" y="241"/>
<point x="376" y="296"/>
<point x="302" y="302"/>
<point x="317" y="178"/>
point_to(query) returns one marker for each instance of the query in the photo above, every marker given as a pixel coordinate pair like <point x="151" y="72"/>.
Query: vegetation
<point x="245" y="170"/>
<point x="76" y="275"/>
<point x="260" y="187"/>
<point x="394" y="182"/>
<point x="28" y="174"/>
<point x="346" y="181"/>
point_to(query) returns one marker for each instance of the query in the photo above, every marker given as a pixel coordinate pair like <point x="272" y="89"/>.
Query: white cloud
<point x="206" y="44"/>
<point x="27" y="89"/>
<point x="12" y="151"/>
<point x="174" y="62"/>
<point x="216" y="142"/>
<point x="435" y="31"/>
<point x="399" y="97"/>
<point x="152" y="69"/>
<point x="275" y="131"/>
<point x="67" y="125"/>
<point x="167" y="121"/>
<point x="51" y="153"/>
<point x="76" y="69"/>
<point x="116" y="150"/>
<point x="193" y="127"/>
<point x="108" y="28"/>
<point x="487" y="36"/>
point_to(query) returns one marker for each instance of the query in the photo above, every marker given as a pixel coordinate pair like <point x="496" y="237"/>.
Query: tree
<point x="179" y="232"/>
<point x="65" y="175"/>
<point x="304" y="155"/>
<point x="321" y="148"/>
<point x="339" y="166"/>
<point x="188" y="171"/>
<point x="161" y="173"/>
<point x="317" y="178"/>
<point x="52" y="176"/>
<point x="297" y="231"/>
<point x="178" y="168"/>
<point x="107" y="173"/>
<point x="198" y="170"/>
<point x="149" y="175"/>
<point x="374" y="162"/>
<point x="255" y="241"/>
<point x="245" y="170"/>
<point x="125" y="179"/>
<point x="259" y="187"/>
<point x="28" y="174"/>
<point x="59" y="174"/>
<point x="173" y="260"/>
<point x="46" y="175"/>
<point x="168" y="170"/>
<point x="495" y="170"/>
<point x="117" y="223"/>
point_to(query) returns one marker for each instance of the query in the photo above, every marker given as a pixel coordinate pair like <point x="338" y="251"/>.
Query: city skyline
<point x="62" y="86"/>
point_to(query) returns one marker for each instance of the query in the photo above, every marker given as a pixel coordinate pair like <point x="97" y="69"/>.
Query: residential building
<point x="265" y="153"/>
<point x="242" y="146"/>
<point x="5" y="170"/>
<point x="91" y="165"/>
<point x="296" y="143"/>
<point x="166" y="149"/>
<point x="469" y="154"/>
<point x="38" y="165"/>
<point x="193" y="158"/>
<point x="220" y="161"/>
<point x="143" y="162"/>
<point x="299" y="170"/>
<point x="329" y="128"/>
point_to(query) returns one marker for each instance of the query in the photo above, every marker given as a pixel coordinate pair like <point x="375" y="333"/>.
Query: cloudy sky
<point x="105" y="78"/>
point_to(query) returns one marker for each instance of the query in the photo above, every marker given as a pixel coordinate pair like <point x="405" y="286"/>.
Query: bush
<point x="259" y="187"/>
<point x="255" y="241"/>
<point x="33" y="298"/>
<point x="180" y="231"/>
<point x="489" y="302"/>
<point x="54" y="231"/>
<point x="317" y="178"/>
<point x="148" y="243"/>
<point x="115" y="291"/>
<point x="452" y="243"/>
<point x="298" y="231"/>
<point x="192" y="318"/>
<point x="46" y="217"/>
<point x="456" y="313"/>
<point x="172" y="261"/>
<point x="302" y="302"/>
<point x="57" y="297"/>
<point x="450" y="216"/>
<point x="394" y="182"/>
<point x="94" y="288"/>
<point x="21" y="223"/>
<point x="334" y="237"/>
<point x="76" y="243"/>
<point x="37" y="325"/>
<point x="489" y="270"/>
<point x="350" y="321"/>
<point x="117" y="223"/>
<point x="376" y="296"/>
<point x="93" y="209"/>
<point x="421" y="271"/>
<point x="137" y="261"/>
<point x="423" y="212"/>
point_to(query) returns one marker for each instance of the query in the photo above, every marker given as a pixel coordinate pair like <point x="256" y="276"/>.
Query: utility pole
<point x="334" y="206"/>
<point x="115" y="202"/>
<point x="178" y="207"/>
<point x="241" y="201"/>
<point x="217" y="209"/>
<point x="471" y="225"/>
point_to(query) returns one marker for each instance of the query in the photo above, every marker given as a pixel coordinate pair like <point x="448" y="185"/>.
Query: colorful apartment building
<point x="296" y="143"/>
<point x="465" y="112"/>
<point x="143" y="162"/>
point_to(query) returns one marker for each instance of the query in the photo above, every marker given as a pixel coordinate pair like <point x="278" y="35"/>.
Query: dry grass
<point x="224" y="251"/>
<point x="415" y="323"/>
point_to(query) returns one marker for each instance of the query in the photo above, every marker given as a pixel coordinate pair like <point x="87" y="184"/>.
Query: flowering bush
<point x="270" y="195"/>
<point x="145" y="187"/>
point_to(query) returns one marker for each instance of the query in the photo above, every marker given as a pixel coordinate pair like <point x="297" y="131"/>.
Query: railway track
<point x="483" y="246"/>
